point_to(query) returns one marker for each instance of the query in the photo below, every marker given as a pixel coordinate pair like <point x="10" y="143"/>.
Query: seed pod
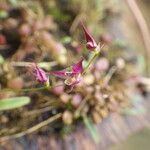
<point x="64" y="98"/>
<point x="89" y="89"/>
<point x="97" y="95"/>
<point x="97" y="87"/>
<point x="97" y="74"/>
<point x="24" y="30"/>
<point x="59" y="89"/>
<point x="16" y="83"/>
<point x="96" y="117"/>
<point x="104" y="112"/>
<point x="120" y="96"/>
<point x="85" y="109"/>
<point x="89" y="79"/>
<point x="76" y="100"/>
<point x="112" y="99"/>
<point x="91" y="101"/>
<point x="120" y="63"/>
<point x="97" y="108"/>
<point x="67" y="117"/>
<point x="99" y="98"/>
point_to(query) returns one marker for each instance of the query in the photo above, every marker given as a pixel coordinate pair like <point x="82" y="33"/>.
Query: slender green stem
<point x="96" y="53"/>
<point x="91" y="128"/>
<point x="30" y="89"/>
<point x="34" y="89"/>
<point x="89" y="63"/>
<point x="23" y="90"/>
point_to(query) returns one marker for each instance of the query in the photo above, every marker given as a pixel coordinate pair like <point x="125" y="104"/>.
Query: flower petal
<point x="72" y="82"/>
<point x="40" y="74"/>
<point x="78" y="67"/>
<point x="91" y="44"/>
<point x="62" y="74"/>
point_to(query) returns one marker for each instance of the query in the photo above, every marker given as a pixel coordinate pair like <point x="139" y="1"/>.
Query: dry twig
<point x="32" y="129"/>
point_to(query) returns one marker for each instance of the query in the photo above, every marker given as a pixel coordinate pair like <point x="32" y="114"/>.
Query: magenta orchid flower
<point x="72" y="75"/>
<point x="40" y="75"/>
<point x="91" y="44"/>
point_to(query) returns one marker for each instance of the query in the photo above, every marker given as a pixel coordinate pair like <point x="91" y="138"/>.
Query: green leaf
<point x="141" y="64"/>
<point x="1" y="59"/>
<point x="134" y="111"/>
<point x="136" y="106"/>
<point x="14" y="3"/>
<point x="3" y="14"/>
<point x="92" y="129"/>
<point x="14" y="102"/>
<point x="66" y="39"/>
<point x="120" y="43"/>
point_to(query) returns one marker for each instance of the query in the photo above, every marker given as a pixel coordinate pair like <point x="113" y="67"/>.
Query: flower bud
<point x="89" y="79"/>
<point x="16" y="83"/>
<point x="58" y="90"/>
<point x="76" y="100"/>
<point x="91" y="44"/>
<point x="67" y="117"/>
<point x="40" y="75"/>
<point x="96" y="117"/>
<point x="65" y="98"/>
<point x="120" y="63"/>
<point x="25" y="30"/>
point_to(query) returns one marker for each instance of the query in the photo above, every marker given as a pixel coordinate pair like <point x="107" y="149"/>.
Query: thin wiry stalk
<point x="32" y="129"/>
<point x="30" y="89"/>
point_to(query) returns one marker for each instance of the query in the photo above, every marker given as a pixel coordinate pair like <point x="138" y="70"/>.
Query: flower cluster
<point x="73" y="74"/>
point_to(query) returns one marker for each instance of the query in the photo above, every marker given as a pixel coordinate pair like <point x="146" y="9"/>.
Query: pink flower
<point x="72" y="75"/>
<point x="40" y="75"/>
<point x="91" y="44"/>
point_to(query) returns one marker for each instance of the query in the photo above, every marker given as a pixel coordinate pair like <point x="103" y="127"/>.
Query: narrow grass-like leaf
<point x="14" y="102"/>
<point x="1" y="59"/>
<point x="92" y="129"/>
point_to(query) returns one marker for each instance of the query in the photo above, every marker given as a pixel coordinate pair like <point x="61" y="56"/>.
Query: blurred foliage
<point x="14" y="102"/>
<point x="92" y="129"/>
